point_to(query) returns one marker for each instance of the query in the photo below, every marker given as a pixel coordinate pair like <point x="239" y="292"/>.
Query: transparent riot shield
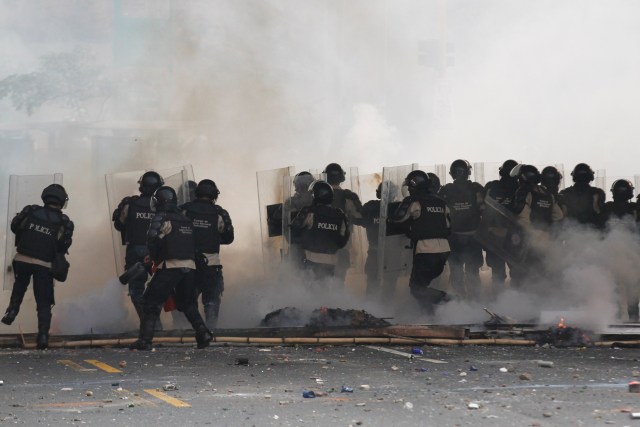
<point x="270" y="201"/>
<point x="440" y="170"/>
<point x="23" y="190"/>
<point x="125" y="184"/>
<point x="357" y="245"/>
<point x="394" y="247"/>
<point x="479" y="173"/>
<point x="500" y="233"/>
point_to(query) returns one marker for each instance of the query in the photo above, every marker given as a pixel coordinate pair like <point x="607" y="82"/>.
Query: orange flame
<point x="561" y="323"/>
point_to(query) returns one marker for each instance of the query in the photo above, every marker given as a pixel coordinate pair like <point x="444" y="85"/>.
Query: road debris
<point x="545" y="364"/>
<point x="526" y="376"/>
<point x="473" y="405"/>
<point x="169" y="387"/>
<point x="308" y="394"/>
<point x="634" y="387"/>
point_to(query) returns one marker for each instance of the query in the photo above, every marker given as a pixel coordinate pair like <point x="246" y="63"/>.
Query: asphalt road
<point x="113" y="386"/>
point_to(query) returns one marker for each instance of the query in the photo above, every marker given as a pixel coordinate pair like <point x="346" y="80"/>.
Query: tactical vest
<point x="371" y="215"/>
<point x="340" y="199"/>
<point x="39" y="236"/>
<point x="501" y="191"/>
<point x="323" y="236"/>
<point x="462" y="200"/>
<point x="138" y="220"/>
<point x="180" y="243"/>
<point x="541" y="209"/>
<point x="432" y="223"/>
<point x="205" y="225"/>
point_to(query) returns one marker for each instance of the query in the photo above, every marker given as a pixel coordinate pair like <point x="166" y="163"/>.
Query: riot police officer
<point x="465" y="200"/>
<point x="503" y="192"/>
<point x="322" y="231"/>
<point x="171" y="245"/>
<point x="429" y="227"/>
<point x="581" y="202"/>
<point x="550" y="179"/>
<point x="537" y="211"/>
<point x="349" y="203"/>
<point x="212" y="227"/>
<point x="371" y="223"/>
<point x="43" y="233"/>
<point x="300" y="199"/>
<point x="132" y="218"/>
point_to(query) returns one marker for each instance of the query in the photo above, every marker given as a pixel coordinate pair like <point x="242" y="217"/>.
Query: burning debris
<point x="562" y="335"/>
<point x="322" y="318"/>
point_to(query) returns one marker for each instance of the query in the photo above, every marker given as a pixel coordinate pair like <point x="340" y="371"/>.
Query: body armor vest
<point x="432" y="223"/>
<point x="541" y="209"/>
<point x="325" y="233"/>
<point x="138" y="219"/>
<point x="179" y="244"/>
<point x="205" y="225"/>
<point x="38" y="237"/>
<point x="462" y="200"/>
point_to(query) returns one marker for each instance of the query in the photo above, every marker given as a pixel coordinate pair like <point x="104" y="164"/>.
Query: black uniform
<point x="429" y="227"/>
<point x="171" y="246"/>
<point x="322" y="231"/>
<point x="294" y="205"/>
<point x="212" y="227"/>
<point x="132" y="218"/>
<point x="349" y="203"/>
<point x="41" y="233"/>
<point x="502" y="191"/>
<point x="464" y="199"/>
<point x="584" y="204"/>
<point x="371" y="223"/>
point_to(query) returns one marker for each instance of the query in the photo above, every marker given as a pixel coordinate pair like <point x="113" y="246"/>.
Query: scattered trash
<point x="122" y="364"/>
<point x="361" y="404"/>
<point x="473" y="405"/>
<point x="1" y="382"/>
<point x="169" y="387"/>
<point x="635" y="374"/>
<point x="242" y="361"/>
<point x="634" y="387"/>
<point x="115" y="384"/>
<point x="308" y="394"/>
<point x="275" y="417"/>
<point x="546" y="414"/>
<point x="131" y="405"/>
<point x="265" y="349"/>
<point x="408" y="405"/>
<point x="346" y="389"/>
<point x="525" y="376"/>
<point x="283" y="402"/>
<point x="319" y="381"/>
<point x="545" y="364"/>
<point x="66" y="389"/>
<point x="473" y="368"/>
<point x="364" y="387"/>
<point x="88" y="393"/>
<point x="463" y="374"/>
<point x="635" y="415"/>
<point x="504" y="370"/>
<point x="417" y="350"/>
<point x="394" y="368"/>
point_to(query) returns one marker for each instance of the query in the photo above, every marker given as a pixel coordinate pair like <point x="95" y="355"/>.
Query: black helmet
<point x="529" y="174"/>
<point x="335" y="174"/>
<point x="583" y="173"/>
<point x="379" y="191"/>
<point x="551" y="177"/>
<point x="302" y="181"/>
<point x="149" y="182"/>
<point x="435" y="185"/>
<point x="55" y="194"/>
<point x="622" y="189"/>
<point x="460" y="169"/>
<point x="207" y="188"/>
<point x="322" y="192"/>
<point x="164" y="199"/>
<point x="506" y="167"/>
<point x="417" y="181"/>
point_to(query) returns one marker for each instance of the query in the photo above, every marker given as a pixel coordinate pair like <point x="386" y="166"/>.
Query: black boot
<point x="203" y="338"/>
<point x="44" y="323"/>
<point x="10" y="315"/>
<point x="145" y="340"/>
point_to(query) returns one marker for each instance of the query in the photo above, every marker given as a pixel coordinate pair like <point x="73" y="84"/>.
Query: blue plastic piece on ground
<point x="308" y="394"/>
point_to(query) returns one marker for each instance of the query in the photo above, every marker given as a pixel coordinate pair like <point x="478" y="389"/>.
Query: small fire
<point x="561" y="323"/>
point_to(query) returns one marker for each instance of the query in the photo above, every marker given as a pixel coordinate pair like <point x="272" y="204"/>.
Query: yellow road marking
<point x="137" y="399"/>
<point x="170" y="400"/>
<point x="73" y="365"/>
<point x="68" y="404"/>
<point x="103" y="366"/>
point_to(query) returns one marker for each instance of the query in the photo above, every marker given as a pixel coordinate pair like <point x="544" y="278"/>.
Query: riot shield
<point x="270" y="201"/>
<point x="124" y="184"/>
<point x="394" y="247"/>
<point x="500" y="233"/>
<point x="23" y="190"/>
<point x="356" y="241"/>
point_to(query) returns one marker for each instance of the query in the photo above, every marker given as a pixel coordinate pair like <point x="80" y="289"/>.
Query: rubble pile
<point x="322" y="318"/>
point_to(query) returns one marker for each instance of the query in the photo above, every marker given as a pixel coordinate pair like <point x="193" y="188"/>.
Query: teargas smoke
<point x="236" y="87"/>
